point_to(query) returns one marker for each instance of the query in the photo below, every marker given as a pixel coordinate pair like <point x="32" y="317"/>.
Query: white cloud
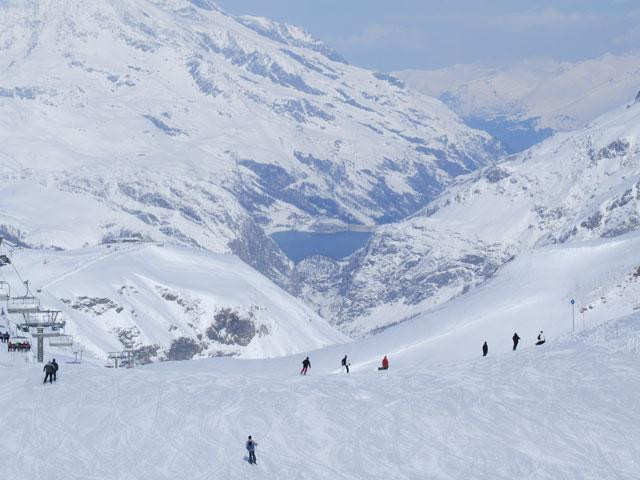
<point x="376" y="34"/>
<point x="542" y="18"/>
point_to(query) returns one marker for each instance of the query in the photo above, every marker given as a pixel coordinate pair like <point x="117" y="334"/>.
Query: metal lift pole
<point x="40" y="337"/>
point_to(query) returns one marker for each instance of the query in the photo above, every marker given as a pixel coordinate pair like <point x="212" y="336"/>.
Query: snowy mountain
<point x="174" y="121"/>
<point x="524" y="102"/>
<point x="167" y="303"/>
<point x="573" y="187"/>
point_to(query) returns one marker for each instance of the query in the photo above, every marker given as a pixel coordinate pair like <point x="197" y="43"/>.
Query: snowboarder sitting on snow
<point x="345" y="363"/>
<point x="251" y="448"/>
<point x="485" y="349"/>
<point x="541" y="339"/>
<point x="385" y="364"/>
<point x="55" y="368"/>
<point x="515" y="339"/>
<point x="306" y="365"/>
<point x="50" y="371"/>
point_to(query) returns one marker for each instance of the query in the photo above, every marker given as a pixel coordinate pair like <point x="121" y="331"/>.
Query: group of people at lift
<point x="516" y="339"/>
<point x="16" y="344"/>
<point x="4" y="337"/>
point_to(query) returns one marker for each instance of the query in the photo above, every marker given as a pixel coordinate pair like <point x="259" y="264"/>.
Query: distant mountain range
<point x="527" y="101"/>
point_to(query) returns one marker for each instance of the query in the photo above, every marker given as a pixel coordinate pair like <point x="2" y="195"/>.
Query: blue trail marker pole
<point x="573" y="315"/>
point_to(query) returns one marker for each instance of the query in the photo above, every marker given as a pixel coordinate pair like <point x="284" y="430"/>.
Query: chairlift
<point x="19" y="344"/>
<point x="44" y="319"/>
<point x="4" y="260"/>
<point x="61" y="341"/>
<point x="5" y="291"/>
<point x="26" y="304"/>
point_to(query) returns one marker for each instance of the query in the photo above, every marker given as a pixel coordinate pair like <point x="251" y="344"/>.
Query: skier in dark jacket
<point x="251" y="448"/>
<point x="55" y="366"/>
<point x="515" y="339"/>
<point x="306" y="365"/>
<point x="50" y="371"/>
<point x="345" y="363"/>
<point x="485" y="349"/>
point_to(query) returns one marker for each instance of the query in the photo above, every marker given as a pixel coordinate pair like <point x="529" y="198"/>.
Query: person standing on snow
<point x="50" y="371"/>
<point x="385" y="364"/>
<point x="306" y="365"/>
<point x="541" y="339"/>
<point x="485" y="349"/>
<point x="55" y="368"/>
<point x="345" y="363"/>
<point x="251" y="448"/>
<point x="515" y="339"/>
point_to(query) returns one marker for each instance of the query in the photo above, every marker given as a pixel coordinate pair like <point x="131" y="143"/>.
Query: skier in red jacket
<point x="385" y="364"/>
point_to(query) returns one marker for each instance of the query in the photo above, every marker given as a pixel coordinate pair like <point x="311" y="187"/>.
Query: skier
<point x="345" y="363"/>
<point x="50" y="371"/>
<point x="251" y="448"/>
<point x="55" y="368"/>
<point x="485" y="349"/>
<point x="541" y="339"/>
<point x="306" y="365"/>
<point x="515" y="339"/>
<point x="385" y="364"/>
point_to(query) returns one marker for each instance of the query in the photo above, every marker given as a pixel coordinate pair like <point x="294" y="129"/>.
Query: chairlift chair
<point x="61" y="341"/>
<point x="26" y="304"/>
<point x="5" y="291"/>
<point x="17" y="342"/>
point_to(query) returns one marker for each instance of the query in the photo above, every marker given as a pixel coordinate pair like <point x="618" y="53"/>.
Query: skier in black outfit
<point x="50" y="371"/>
<point x="345" y="363"/>
<point x="306" y="365"/>
<point x="541" y="339"/>
<point x="516" y="339"/>
<point x="55" y="367"/>
<point x="485" y="349"/>
<point x="251" y="448"/>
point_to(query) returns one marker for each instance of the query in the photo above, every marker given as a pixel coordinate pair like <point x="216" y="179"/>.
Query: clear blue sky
<point x="399" y="34"/>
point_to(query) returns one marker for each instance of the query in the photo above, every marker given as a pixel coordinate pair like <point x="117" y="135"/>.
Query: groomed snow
<point x="568" y="410"/>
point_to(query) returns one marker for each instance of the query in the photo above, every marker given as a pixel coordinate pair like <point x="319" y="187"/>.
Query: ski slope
<point x="566" y="410"/>
<point x="179" y="302"/>
<point x="530" y="293"/>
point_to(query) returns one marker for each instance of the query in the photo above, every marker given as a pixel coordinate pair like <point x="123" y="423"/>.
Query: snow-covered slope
<point x="168" y="303"/>
<point x="583" y="185"/>
<point x="567" y="411"/>
<point x="530" y="293"/>
<point x="534" y="93"/>
<point x="171" y="120"/>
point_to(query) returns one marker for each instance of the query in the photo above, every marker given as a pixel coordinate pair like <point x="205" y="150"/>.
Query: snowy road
<point x="566" y="412"/>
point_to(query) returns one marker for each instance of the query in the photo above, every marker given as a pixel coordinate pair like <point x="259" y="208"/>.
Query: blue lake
<point x="515" y="136"/>
<point x="299" y="245"/>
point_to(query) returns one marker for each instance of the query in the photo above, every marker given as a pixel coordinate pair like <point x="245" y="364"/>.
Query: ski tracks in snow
<point x="533" y="414"/>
